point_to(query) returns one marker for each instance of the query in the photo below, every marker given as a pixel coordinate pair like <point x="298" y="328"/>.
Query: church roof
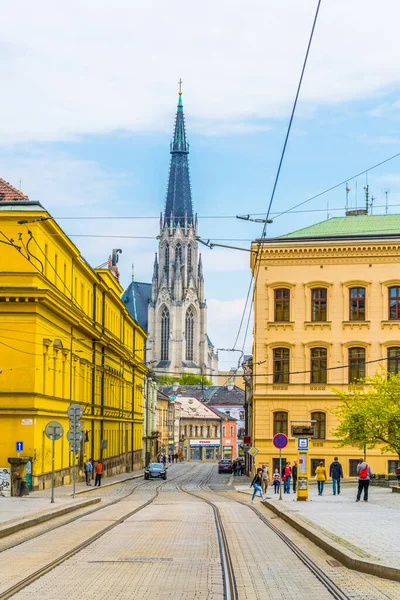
<point x="136" y="298"/>
<point x="179" y="194"/>
<point x="9" y="193"/>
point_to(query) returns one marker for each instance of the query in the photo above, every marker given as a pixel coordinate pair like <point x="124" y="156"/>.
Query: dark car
<point x="155" y="470"/>
<point x="225" y="466"/>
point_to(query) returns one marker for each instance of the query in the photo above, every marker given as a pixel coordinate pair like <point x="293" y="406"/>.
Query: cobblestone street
<point x="169" y="548"/>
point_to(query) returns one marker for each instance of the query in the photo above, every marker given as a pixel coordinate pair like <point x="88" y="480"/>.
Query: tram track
<point x="34" y="576"/>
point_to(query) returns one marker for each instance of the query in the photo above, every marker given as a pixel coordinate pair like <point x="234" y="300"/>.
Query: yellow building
<point x="327" y="305"/>
<point x="65" y="337"/>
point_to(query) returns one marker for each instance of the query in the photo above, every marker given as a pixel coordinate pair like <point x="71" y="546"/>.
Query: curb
<point x="334" y="549"/>
<point x="91" y="488"/>
<point x="31" y="522"/>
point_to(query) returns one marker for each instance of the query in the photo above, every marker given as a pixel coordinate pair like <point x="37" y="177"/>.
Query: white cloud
<point x="96" y="66"/>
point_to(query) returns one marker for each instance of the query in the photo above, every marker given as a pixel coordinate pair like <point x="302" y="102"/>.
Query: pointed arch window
<point x="189" y="333"/>
<point x="178" y="252"/>
<point x="165" y="333"/>
<point x="166" y="267"/>
<point x="189" y="260"/>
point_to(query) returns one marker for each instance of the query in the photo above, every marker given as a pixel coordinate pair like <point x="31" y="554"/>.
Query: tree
<point x="185" y="379"/>
<point x="370" y="417"/>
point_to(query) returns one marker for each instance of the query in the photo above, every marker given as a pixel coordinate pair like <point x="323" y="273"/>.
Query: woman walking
<point x="286" y="478"/>
<point x="256" y="484"/>
<point x="320" y="475"/>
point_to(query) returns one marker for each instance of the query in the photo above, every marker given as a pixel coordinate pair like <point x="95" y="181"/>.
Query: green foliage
<point x="372" y="416"/>
<point x="185" y="379"/>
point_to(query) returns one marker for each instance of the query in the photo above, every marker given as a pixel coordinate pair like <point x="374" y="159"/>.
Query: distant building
<point x="200" y="430"/>
<point x="176" y="320"/>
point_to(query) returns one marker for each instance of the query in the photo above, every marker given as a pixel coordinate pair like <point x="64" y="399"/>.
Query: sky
<point x="89" y="94"/>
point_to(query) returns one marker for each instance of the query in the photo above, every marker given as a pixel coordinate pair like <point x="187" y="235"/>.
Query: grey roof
<point x="212" y="394"/>
<point x="136" y="297"/>
<point x="223" y="415"/>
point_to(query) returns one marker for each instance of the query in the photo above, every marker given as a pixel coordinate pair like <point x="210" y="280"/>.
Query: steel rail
<point x="228" y="574"/>
<point x="23" y="583"/>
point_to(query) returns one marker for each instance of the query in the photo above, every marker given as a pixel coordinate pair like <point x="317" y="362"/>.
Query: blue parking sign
<point x="19" y="446"/>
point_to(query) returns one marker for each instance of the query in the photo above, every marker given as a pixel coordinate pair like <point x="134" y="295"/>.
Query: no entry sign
<point x="280" y="440"/>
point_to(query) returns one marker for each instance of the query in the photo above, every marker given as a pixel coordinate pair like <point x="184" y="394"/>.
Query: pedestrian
<point x="164" y="460"/>
<point x="176" y="457"/>
<point x="256" y="484"/>
<point x="234" y="467"/>
<point x="238" y="467"/>
<point x="88" y="471"/>
<point x="320" y="476"/>
<point x="242" y="467"/>
<point x="364" y="477"/>
<point x="294" y="475"/>
<point x="286" y="478"/>
<point x="336" y="472"/>
<point x="276" y="481"/>
<point x="99" y="473"/>
<point x="264" y="479"/>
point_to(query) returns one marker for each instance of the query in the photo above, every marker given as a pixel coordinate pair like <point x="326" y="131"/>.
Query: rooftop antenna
<point x="348" y="190"/>
<point x="133" y="271"/>
<point x="386" y="200"/>
<point x="327" y="209"/>
<point x="366" y="188"/>
<point x="20" y="184"/>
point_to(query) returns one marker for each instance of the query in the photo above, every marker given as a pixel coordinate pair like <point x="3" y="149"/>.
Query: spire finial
<point x="180" y="86"/>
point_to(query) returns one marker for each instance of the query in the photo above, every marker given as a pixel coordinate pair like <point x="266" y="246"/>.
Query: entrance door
<point x="195" y="453"/>
<point x="209" y="453"/>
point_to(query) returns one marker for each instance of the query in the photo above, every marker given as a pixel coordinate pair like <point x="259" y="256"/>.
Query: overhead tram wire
<point x="257" y="256"/>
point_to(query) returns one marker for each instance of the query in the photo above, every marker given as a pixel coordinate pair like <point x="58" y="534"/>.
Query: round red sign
<point x="280" y="440"/>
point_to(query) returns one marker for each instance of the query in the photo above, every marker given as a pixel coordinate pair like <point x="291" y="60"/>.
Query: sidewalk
<point x="368" y="530"/>
<point x="38" y="504"/>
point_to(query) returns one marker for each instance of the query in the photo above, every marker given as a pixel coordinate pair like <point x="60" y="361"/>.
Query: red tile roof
<point x="8" y="193"/>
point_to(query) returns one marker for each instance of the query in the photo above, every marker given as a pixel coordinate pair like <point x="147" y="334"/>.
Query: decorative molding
<point x="280" y="325"/>
<point x="280" y="387"/>
<point x="317" y="325"/>
<point x="314" y="388"/>
<point x="390" y="325"/>
<point x="360" y="325"/>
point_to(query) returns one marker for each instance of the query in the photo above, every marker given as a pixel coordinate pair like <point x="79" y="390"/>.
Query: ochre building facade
<point x="65" y="337"/>
<point x="327" y="304"/>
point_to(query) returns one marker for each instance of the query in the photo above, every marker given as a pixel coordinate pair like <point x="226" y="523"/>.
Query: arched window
<point x="393" y="365"/>
<point x="318" y="365"/>
<point x="178" y="252"/>
<point x="320" y="425"/>
<point x="165" y="333"/>
<point x="281" y="365"/>
<point x="282" y="304"/>
<point x="189" y="333"/>
<point x="280" y="422"/>
<point x="166" y="267"/>
<point x="356" y="364"/>
<point x="189" y="260"/>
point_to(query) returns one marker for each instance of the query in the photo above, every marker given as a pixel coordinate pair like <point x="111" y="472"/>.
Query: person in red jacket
<point x="99" y="473"/>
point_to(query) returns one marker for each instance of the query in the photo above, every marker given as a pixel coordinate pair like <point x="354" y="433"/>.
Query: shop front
<point x="204" y="449"/>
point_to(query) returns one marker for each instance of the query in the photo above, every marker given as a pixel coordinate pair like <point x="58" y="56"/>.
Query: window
<point x="189" y="261"/>
<point x="191" y="429"/>
<point x="353" y="464"/>
<point x="315" y="463"/>
<point x="216" y="430"/>
<point x="280" y="422"/>
<point x="224" y="431"/>
<point x="200" y="431"/>
<point x="189" y="333"/>
<point x="320" y="425"/>
<point x="164" y="333"/>
<point x="393" y="465"/>
<point x="241" y="415"/>
<point x="196" y="431"/>
<point x="281" y="365"/>
<point x="318" y="365"/>
<point x="208" y="431"/>
<point x="166" y="267"/>
<point x="231" y="432"/>
<point x="185" y="430"/>
<point x="394" y="303"/>
<point x="356" y="364"/>
<point x="178" y="252"/>
<point x="357" y="304"/>
<point x="318" y="304"/>
<point x="282" y="305"/>
<point x="393" y="360"/>
<point x="275" y="464"/>
<point x="227" y="412"/>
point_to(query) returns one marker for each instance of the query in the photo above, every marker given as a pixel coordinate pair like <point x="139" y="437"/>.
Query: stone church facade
<point x="177" y="311"/>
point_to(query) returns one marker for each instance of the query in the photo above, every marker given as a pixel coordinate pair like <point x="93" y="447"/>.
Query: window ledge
<point x="390" y="324"/>
<point x="280" y="387"/>
<point x="318" y="325"/>
<point x="282" y="325"/>
<point x="317" y="386"/>
<point x="356" y="325"/>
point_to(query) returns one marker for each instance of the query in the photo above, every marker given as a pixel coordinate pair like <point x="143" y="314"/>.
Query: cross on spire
<point x="180" y="86"/>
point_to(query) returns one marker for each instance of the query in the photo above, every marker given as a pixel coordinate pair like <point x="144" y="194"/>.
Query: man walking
<point x="99" y="473"/>
<point x="294" y="475"/>
<point x="336" y="472"/>
<point x="264" y="479"/>
<point x="88" y="471"/>
<point x="364" y="477"/>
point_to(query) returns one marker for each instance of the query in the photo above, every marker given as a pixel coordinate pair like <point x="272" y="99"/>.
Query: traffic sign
<point x="280" y="440"/>
<point x="74" y="436"/>
<point x="253" y="451"/>
<point x="54" y="430"/>
<point x="75" y="411"/>
<point x="302" y="443"/>
<point x="172" y="398"/>
<point x="19" y="446"/>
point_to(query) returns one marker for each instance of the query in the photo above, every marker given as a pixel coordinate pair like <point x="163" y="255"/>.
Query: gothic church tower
<point x="177" y="312"/>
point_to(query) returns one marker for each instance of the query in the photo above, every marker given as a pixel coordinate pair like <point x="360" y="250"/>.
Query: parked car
<point x="225" y="466"/>
<point x="155" y="470"/>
